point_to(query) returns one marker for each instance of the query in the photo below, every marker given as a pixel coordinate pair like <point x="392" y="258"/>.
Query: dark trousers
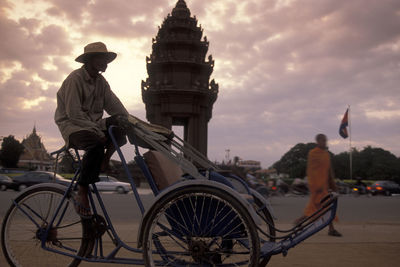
<point x="94" y="146"/>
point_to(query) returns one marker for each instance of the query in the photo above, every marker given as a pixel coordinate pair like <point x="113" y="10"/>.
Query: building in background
<point x="178" y="90"/>
<point x="249" y="164"/>
<point x="35" y="156"/>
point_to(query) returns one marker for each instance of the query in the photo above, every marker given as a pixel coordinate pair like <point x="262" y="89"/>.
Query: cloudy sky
<point x="286" y="69"/>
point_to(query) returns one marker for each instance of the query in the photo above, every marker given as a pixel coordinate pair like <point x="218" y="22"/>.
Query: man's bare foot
<point x="81" y="202"/>
<point x="334" y="233"/>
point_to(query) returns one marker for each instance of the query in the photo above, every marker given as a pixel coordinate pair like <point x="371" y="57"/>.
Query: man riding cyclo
<point x="81" y="101"/>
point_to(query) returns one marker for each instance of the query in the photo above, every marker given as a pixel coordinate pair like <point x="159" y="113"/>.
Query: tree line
<point x="370" y="163"/>
<point x="11" y="150"/>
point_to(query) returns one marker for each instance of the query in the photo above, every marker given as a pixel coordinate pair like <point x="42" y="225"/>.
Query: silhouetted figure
<point x="320" y="178"/>
<point x="362" y="187"/>
<point x="81" y="102"/>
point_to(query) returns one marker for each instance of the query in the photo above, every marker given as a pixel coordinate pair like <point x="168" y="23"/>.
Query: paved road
<point x="363" y="209"/>
<point x="371" y="228"/>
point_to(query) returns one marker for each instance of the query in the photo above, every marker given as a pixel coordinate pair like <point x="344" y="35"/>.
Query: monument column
<point x="178" y="90"/>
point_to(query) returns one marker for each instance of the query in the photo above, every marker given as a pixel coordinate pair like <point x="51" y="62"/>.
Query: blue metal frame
<point x="320" y="219"/>
<point x="267" y="249"/>
<point x="98" y="252"/>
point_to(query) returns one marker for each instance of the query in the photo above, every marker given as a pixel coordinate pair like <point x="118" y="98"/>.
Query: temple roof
<point x="34" y="148"/>
<point x="181" y="10"/>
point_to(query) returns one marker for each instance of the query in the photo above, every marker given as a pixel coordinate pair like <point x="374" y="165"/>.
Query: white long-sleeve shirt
<point x="81" y="102"/>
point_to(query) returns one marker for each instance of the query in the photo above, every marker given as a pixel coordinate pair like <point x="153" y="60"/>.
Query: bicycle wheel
<point x="21" y="234"/>
<point x="200" y="226"/>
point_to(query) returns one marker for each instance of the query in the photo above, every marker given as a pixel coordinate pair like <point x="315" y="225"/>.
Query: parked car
<point x="37" y="177"/>
<point x="386" y="188"/>
<point x="7" y="183"/>
<point x="109" y="183"/>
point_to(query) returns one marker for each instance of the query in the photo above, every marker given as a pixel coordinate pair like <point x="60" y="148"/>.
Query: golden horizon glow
<point x="286" y="69"/>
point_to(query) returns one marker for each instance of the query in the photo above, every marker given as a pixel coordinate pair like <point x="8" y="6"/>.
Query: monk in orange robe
<point x="320" y="178"/>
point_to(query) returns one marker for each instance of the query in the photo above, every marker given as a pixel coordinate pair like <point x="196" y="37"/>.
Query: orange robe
<point x="319" y="178"/>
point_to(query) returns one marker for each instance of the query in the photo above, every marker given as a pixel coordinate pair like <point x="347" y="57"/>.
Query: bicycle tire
<point x="12" y="212"/>
<point x="244" y="228"/>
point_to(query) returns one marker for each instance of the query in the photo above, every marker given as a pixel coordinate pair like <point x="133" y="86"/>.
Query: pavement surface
<point x="370" y="228"/>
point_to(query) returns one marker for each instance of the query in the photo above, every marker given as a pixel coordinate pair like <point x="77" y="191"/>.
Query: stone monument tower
<point x="178" y="90"/>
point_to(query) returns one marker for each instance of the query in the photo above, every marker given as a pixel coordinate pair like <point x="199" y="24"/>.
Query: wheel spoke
<point x="201" y="229"/>
<point x="35" y="213"/>
<point x="22" y="239"/>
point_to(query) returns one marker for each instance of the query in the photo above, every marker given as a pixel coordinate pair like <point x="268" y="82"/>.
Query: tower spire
<point x="181" y="3"/>
<point x="181" y="10"/>
<point x="178" y="90"/>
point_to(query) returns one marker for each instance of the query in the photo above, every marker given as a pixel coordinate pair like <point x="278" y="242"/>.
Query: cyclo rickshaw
<point x="201" y="216"/>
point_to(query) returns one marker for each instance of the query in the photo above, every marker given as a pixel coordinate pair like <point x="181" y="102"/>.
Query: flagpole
<point x="351" y="150"/>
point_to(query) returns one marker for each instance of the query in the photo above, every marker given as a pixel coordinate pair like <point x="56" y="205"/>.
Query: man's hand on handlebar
<point x="120" y="121"/>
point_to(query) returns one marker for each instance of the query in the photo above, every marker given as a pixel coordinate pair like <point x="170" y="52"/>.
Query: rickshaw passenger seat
<point x="164" y="171"/>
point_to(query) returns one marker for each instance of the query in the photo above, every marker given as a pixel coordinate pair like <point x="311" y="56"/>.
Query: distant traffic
<point x="19" y="182"/>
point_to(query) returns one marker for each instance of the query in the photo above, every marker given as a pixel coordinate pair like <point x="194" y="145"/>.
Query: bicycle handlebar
<point x="58" y="151"/>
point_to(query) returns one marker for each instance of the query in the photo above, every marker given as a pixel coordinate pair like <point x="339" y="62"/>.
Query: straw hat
<point x="95" y="49"/>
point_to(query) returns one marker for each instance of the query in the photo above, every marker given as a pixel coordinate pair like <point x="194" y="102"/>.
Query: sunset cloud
<point x="287" y="69"/>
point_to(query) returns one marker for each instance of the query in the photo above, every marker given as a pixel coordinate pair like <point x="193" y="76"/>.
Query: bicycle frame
<point x="305" y="229"/>
<point x="98" y="250"/>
